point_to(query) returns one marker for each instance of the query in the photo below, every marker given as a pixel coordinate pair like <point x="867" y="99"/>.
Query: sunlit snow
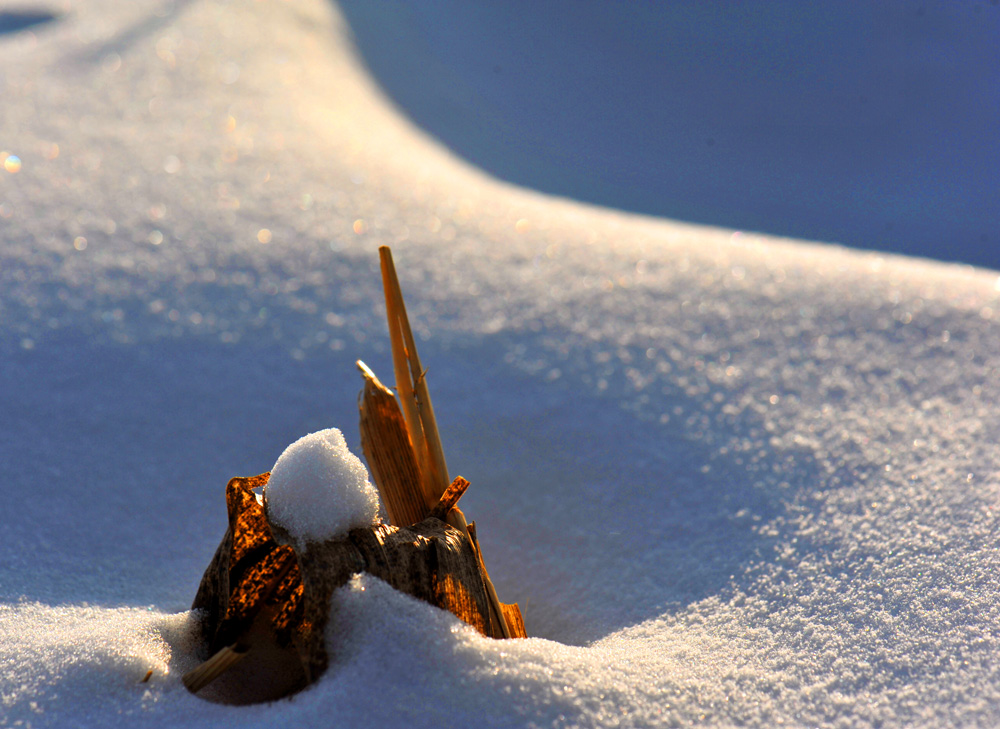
<point x="731" y="479"/>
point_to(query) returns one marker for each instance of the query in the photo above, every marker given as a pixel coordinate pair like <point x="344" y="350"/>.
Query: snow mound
<point x="318" y="489"/>
<point x="89" y="655"/>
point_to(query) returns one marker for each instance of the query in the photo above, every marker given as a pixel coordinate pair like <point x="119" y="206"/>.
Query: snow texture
<point x="731" y="479"/>
<point x="319" y="490"/>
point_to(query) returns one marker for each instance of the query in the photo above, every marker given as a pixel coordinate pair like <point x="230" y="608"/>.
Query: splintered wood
<point x="266" y="605"/>
<point x="387" y="449"/>
<point x="252" y="600"/>
<point x="380" y="424"/>
<point x="265" y="600"/>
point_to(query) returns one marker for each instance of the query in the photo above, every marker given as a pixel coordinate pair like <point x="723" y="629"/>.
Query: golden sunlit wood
<point x="411" y="384"/>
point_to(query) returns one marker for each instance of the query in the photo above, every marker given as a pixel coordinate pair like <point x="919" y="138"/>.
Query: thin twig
<point x="228" y="656"/>
<point x="450" y="497"/>
<point x="224" y="659"/>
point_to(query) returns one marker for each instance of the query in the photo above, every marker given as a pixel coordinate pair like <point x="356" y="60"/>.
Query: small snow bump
<point x="318" y="489"/>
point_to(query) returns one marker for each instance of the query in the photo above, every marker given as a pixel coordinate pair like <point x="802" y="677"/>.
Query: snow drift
<point x="730" y="479"/>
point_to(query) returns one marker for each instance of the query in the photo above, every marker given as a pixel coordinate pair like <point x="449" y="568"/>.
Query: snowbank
<point x="730" y="479"/>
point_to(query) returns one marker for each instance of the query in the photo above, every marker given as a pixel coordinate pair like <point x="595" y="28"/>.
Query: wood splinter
<point x="449" y="499"/>
<point x="224" y="659"/>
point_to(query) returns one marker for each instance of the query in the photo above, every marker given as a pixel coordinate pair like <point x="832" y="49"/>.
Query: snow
<point x="731" y="479"/>
<point x="319" y="490"/>
<point x="862" y="123"/>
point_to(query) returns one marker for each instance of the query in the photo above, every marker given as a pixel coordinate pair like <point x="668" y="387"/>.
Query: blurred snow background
<point x="730" y="478"/>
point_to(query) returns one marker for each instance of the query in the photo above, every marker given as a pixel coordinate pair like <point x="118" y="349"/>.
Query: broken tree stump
<point x="266" y="604"/>
<point x="266" y="596"/>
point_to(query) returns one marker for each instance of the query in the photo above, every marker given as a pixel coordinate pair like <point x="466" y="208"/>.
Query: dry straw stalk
<point x="380" y="426"/>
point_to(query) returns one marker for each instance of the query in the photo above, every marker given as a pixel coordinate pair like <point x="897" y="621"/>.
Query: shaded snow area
<point x="731" y="480"/>
<point x="869" y="123"/>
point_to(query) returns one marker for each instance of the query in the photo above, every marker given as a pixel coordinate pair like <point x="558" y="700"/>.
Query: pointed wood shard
<point x="411" y="384"/>
<point x="389" y="452"/>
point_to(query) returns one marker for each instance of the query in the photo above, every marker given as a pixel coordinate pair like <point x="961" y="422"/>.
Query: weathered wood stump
<point x="266" y="599"/>
<point x="266" y="604"/>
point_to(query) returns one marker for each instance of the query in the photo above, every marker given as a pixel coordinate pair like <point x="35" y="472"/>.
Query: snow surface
<point x="730" y="479"/>
<point x="318" y="489"/>
<point x="867" y="123"/>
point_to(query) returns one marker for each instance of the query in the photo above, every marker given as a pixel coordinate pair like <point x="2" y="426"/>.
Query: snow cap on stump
<point x="318" y="489"/>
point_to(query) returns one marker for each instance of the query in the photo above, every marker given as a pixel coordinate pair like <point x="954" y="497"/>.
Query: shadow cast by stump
<point x="616" y="519"/>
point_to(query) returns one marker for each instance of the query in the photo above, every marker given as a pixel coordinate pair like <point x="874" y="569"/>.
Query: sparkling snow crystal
<point x="318" y="489"/>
